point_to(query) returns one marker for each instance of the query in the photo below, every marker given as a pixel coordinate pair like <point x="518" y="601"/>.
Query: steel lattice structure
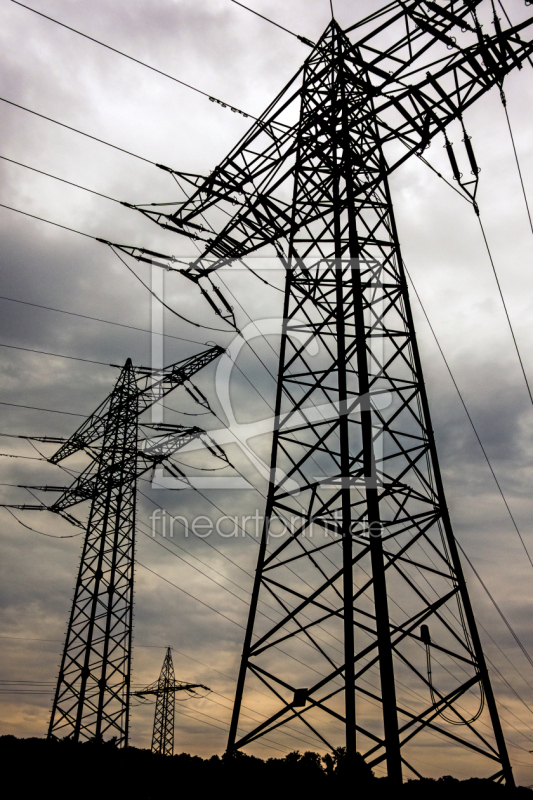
<point x="164" y="690"/>
<point x="368" y="580"/>
<point x="93" y="688"/>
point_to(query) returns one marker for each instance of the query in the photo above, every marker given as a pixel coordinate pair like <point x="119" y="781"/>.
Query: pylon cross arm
<point x="426" y="105"/>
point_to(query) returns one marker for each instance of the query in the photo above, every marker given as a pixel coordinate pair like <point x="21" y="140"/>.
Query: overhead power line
<point x="48" y="221"/>
<point x="471" y="421"/>
<point x="244" y="532"/>
<point x="247" y="591"/>
<point x="175" y="585"/>
<point x="296" y="36"/>
<point x="138" y="61"/>
<point x="237" y="623"/>
<point x="99" y="319"/>
<point x="41" y="533"/>
<point x="206" y="543"/>
<point x="56" y="355"/>
<point x="197" y="324"/>
<point x="56" y="178"/>
<point x="103" y="241"/>
<point x="339" y="308"/>
<point x="460" y="395"/>
<point x="515" y="342"/>
<point x="14" y="455"/>
<point x="38" y="408"/>
<point x="475" y="206"/>
<point x="504" y="102"/>
<point x="169" y="308"/>
<point x="79" y="186"/>
<point x="225" y="729"/>
<point x="77" y="130"/>
<point x="498" y="609"/>
<point x="61" y="641"/>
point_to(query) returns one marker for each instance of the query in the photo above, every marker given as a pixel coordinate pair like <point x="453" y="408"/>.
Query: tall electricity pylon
<point x="367" y="578"/>
<point x="165" y="690"/>
<point x="93" y="687"/>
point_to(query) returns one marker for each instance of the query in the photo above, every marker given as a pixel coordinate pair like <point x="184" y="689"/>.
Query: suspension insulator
<point x="424" y="634"/>
<point x="471" y="157"/>
<point x="455" y="169"/>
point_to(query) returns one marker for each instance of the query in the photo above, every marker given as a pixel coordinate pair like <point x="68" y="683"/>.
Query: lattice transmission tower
<point x="93" y="688"/>
<point x="367" y="579"/>
<point x="164" y="690"/>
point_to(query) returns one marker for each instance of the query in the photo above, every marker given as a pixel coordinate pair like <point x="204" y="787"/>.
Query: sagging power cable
<point x="470" y="188"/>
<point x="103" y="241"/>
<point x="41" y="533"/>
<point x="498" y="609"/>
<point x="99" y="319"/>
<point x="160" y="300"/>
<point x="426" y="638"/>
<point x="471" y="421"/>
<point x="82" y="133"/>
<point x="137" y="61"/>
<point x="55" y="355"/>
<point x="300" y="38"/>
<point x="515" y="342"/>
<point x="504" y="103"/>
<point x="62" y="180"/>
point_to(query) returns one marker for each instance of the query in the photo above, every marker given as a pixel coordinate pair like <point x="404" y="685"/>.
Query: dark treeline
<point x="40" y="768"/>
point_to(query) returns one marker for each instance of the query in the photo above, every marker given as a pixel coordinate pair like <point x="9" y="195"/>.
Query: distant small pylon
<point x="165" y="691"/>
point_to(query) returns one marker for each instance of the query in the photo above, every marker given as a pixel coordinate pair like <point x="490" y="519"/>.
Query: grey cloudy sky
<point x="230" y="54"/>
